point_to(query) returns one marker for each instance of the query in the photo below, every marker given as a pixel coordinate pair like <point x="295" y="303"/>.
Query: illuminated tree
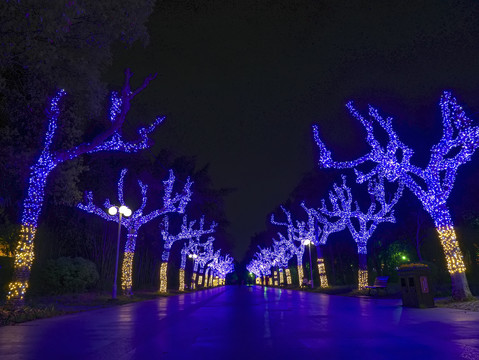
<point x="203" y="259"/>
<point x="210" y="268"/>
<point x="282" y="252"/>
<point x="109" y="140"/>
<point x="223" y="267"/>
<point x="265" y="256"/>
<point x="186" y="232"/>
<point x="200" y="258"/>
<point x="295" y="235"/>
<point x="320" y="227"/>
<point x="261" y="265"/>
<point x="276" y="265"/>
<point x="262" y="261"/>
<point x="254" y="268"/>
<point x="176" y="203"/>
<point x="365" y="222"/>
<point x="433" y="184"/>
<point x="189" y="249"/>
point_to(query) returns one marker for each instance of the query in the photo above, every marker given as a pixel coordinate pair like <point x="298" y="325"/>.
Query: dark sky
<point x="242" y="81"/>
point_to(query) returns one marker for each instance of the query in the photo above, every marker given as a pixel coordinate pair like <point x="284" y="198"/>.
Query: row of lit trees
<point x="110" y="139"/>
<point x="133" y="221"/>
<point x="343" y="213"/>
<point x="387" y="162"/>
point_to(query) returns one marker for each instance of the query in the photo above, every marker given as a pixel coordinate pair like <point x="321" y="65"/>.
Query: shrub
<point x="69" y="275"/>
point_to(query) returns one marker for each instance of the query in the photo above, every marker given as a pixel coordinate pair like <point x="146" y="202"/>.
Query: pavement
<point x="250" y="322"/>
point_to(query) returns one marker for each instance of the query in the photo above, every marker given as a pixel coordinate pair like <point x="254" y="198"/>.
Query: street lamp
<point x="193" y="278"/>
<point x="308" y="242"/>
<point x="122" y="211"/>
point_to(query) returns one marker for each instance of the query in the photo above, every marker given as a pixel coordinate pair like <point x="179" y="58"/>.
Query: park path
<point x="240" y="322"/>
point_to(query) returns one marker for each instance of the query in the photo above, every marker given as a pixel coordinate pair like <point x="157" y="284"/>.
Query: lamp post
<point x="122" y="211"/>
<point x="308" y="242"/>
<point x="192" y="257"/>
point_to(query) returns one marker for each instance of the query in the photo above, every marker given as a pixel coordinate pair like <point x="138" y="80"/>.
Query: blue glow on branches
<point x="459" y="141"/>
<point x="48" y="160"/>
<point x="137" y="218"/>
<point x="187" y="231"/>
<point x="344" y="208"/>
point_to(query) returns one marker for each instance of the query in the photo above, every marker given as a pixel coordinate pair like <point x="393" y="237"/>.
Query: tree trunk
<point x="24" y="254"/>
<point x="163" y="277"/>
<point x="363" y="271"/>
<point x="200" y="277"/>
<point x="323" y="278"/>
<point x="127" y="265"/>
<point x="164" y="270"/>
<point x="194" y="275"/>
<point x="207" y="277"/>
<point x="193" y="280"/>
<point x="288" y="276"/>
<point x="300" y="273"/>
<point x="181" y="287"/>
<point x="453" y="254"/>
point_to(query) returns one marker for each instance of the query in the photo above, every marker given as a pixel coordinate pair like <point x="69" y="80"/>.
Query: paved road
<point x="250" y="323"/>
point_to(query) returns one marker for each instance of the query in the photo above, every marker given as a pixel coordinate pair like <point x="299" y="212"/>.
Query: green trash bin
<point x="415" y="286"/>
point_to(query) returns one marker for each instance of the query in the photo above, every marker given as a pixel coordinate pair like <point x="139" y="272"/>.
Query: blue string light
<point x="109" y="140"/>
<point x="187" y="231"/>
<point x="138" y="219"/>
<point x="433" y="184"/>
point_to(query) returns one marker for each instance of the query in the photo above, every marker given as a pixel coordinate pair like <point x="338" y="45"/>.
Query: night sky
<point x="241" y="83"/>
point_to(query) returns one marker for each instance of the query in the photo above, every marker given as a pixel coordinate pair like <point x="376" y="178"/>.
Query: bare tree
<point x="432" y="185"/>
<point x="187" y="231"/>
<point x="109" y="140"/>
<point x="171" y="204"/>
<point x="365" y="222"/>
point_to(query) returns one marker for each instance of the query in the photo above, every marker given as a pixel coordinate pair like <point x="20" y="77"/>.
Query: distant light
<point x="113" y="210"/>
<point x="306" y="242"/>
<point x="403" y="257"/>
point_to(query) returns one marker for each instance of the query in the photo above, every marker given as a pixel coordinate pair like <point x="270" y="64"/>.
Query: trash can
<point x="415" y="288"/>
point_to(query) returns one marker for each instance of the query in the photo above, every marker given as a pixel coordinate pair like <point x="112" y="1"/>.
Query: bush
<point x="68" y="275"/>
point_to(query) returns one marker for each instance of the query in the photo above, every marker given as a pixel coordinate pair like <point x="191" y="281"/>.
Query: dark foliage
<point x="68" y="275"/>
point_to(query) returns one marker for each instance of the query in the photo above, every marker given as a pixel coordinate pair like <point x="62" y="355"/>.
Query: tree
<point x="283" y="252"/>
<point x="365" y="222"/>
<point x="431" y="185"/>
<point x="187" y="232"/>
<point x="297" y="235"/>
<point x="108" y="140"/>
<point x="261" y="264"/>
<point x="171" y="203"/>
<point x="209" y="273"/>
<point x="189" y="250"/>
<point x="223" y="266"/>
<point x="200" y="260"/>
<point x="320" y="228"/>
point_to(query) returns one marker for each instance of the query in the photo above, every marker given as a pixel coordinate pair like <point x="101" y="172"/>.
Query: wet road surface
<point x="239" y="322"/>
